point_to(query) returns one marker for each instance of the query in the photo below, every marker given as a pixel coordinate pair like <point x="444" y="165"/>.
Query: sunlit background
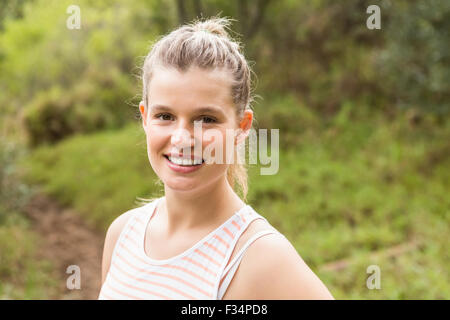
<point x="364" y="128"/>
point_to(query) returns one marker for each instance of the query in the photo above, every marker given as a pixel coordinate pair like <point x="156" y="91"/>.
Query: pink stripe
<point x="228" y="232"/>
<point x="155" y="283"/>
<point x="215" y="249"/>
<point x="132" y="240"/>
<point x="199" y="265"/>
<point x="190" y="273"/>
<point x="122" y="293"/>
<point x="103" y="295"/>
<point x="165" y="275"/>
<point x="169" y="266"/>
<point x="207" y="257"/>
<point x="135" y="288"/>
<point x="222" y="241"/>
<point x="139" y="220"/>
<point x="135" y="230"/>
<point x="236" y="225"/>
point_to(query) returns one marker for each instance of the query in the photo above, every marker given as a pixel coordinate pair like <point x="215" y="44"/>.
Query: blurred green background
<point x="363" y="118"/>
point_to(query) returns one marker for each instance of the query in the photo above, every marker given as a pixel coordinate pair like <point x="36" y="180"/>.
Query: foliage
<point x="415" y="60"/>
<point x="319" y="50"/>
<point x="363" y="119"/>
<point x="80" y="80"/>
<point x="357" y="184"/>
<point x="14" y="194"/>
<point x="57" y="113"/>
<point x="11" y="9"/>
<point x="22" y="275"/>
<point x="97" y="190"/>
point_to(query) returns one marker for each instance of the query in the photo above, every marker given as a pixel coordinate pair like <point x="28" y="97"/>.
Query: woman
<point x="200" y="240"/>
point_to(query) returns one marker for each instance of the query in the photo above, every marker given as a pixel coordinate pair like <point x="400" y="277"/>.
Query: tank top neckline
<point x="187" y="251"/>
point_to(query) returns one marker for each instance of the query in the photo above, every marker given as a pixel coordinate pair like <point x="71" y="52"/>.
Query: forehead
<point x="190" y="88"/>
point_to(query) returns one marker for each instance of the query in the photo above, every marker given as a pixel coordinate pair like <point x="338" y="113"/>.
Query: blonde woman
<point x="200" y="240"/>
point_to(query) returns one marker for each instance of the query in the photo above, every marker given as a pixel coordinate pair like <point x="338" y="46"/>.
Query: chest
<point x="161" y="247"/>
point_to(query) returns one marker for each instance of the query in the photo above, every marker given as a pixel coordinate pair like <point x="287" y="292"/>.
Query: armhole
<point x="232" y="267"/>
<point x="131" y="221"/>
<point x="122" y="234"/>
<point x="229" y="253"/>
<point x="126" y="227"/>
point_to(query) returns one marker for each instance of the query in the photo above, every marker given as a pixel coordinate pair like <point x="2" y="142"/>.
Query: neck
<point x="184" y="211"/>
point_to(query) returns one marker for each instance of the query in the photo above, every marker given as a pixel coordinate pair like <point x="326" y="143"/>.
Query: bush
<point x="289" y="115"/>
<point x="414" y="64"/>
<point x="66" y="81"/>
<point x="98" y="102"/>
<point x="13" y="193"/>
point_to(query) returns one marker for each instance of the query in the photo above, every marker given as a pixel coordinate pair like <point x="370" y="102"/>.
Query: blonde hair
<point x="206" y="44"/>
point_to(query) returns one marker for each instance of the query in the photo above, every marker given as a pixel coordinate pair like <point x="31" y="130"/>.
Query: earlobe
<point x="246" y="122"/>
<point x="244" y="126"/>
<point x="143" y="113"/>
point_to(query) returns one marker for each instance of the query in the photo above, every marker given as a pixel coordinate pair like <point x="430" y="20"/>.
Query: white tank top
<point x="203" y="271"/>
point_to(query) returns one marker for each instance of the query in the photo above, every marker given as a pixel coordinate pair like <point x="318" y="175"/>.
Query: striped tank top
<point x="202" y="272"/>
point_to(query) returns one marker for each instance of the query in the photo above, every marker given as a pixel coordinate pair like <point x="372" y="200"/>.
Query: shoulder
<point x="271" y="268"/>
<point x="112" y="235"/>
<point x="119" y="223"/>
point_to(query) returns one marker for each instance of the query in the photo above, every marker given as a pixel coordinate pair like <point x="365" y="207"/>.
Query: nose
<point x="181" y="137"/>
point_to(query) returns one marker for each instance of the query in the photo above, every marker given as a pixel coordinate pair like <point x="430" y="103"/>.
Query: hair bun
<point x="215" y="26"/>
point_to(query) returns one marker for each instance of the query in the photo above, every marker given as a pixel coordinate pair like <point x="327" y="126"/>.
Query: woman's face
<point x="176" y="100"/>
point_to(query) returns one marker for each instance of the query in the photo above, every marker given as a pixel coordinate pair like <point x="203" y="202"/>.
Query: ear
<point x="244" y="126"/>
<point x="143" y="113"/>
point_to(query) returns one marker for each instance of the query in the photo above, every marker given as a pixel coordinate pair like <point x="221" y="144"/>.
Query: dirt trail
<point x="67" y="240"/>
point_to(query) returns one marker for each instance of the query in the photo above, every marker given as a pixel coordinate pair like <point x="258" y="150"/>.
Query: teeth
<point x="185" y="162"/>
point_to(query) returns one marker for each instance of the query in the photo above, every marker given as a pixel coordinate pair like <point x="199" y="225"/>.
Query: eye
<point x="164" y="116"/>
<point x="206" y="119"/>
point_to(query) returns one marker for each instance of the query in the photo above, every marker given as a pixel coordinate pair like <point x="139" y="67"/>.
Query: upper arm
<point x="272" y="269"/>
<point x="111" y="238"/>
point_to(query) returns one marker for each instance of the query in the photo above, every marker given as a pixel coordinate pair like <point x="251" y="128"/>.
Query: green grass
<point x="99" y="175"/>
<point x="22" y="275"/>
<point x="345" y="188"/>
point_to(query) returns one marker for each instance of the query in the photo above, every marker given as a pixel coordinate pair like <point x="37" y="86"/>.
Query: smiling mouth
<point x="184" y="162"/>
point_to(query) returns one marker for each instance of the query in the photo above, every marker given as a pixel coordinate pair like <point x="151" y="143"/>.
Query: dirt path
<point x="67" y="240"/>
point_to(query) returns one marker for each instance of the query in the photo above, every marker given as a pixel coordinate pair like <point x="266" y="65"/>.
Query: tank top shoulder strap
<point x="246" y="216"/>
<point x="134" y="227"/>
<point x="231" y="269"/>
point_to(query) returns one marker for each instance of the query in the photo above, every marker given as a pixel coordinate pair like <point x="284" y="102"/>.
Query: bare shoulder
<point x="111" y="238"/>
<point x="271" y="268"/>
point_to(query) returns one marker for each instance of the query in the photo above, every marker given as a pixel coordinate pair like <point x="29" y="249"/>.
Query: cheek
<point x="157" y="133"/>
<point x="156" y="139"/>
<point x="220" y="144"/>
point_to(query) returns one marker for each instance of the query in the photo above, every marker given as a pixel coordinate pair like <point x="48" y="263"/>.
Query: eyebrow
<point x="202" y="109"/>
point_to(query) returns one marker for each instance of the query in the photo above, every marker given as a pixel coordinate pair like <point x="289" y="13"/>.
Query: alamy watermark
<point x="73" y="281"/>
<point x="74" y="20"/>
<point x="374" y="20"/>
<point x="374" y="280"/>
<point x="225" y="150"/>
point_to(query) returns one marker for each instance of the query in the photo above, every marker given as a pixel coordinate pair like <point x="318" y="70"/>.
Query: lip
<point x="182" y="169"/>
<point x="179" y="155"/>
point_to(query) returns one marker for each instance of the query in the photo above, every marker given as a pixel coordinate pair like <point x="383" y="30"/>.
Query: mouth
<point x="184" y="162"/>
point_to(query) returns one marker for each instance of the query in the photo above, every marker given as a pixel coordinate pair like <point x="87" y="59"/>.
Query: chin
<point x="180" y="182"/>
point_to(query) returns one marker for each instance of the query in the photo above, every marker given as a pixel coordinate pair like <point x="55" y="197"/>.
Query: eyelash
<point x="158" y="116"/>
